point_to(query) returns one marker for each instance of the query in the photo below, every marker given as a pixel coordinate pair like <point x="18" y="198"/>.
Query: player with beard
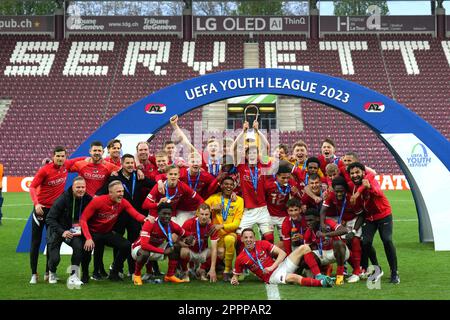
<point x="97" y="222"/>
<point x="378" y="217"/>
<point x="95" y="170"/>
<point x="258" y="256"/>
<point x="47" y="185"/>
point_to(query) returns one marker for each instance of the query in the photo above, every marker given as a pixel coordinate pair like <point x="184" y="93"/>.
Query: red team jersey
<point x="310" y="203"/>
<point x="327" y="244"/>
<point x="180" y="192"/>
<point x="102" y="213"/>
<point x="95" y="174"/>
<point x="375" y="203"/>
<point x="206" y="186"/>
<point x="302" y="178"/>
<point x="286" y="231"/>
<point x="152" y="238"/>
<point x="252" y="199"/>
<point x="334" y="207"/>
<point x="191" y="226"/>
<point x="276" y="200"/>
<point x="51" y="179"/>
<point x="116" y="162"/>
<point x="324" y="162"/>
<point x="262" y="251"/>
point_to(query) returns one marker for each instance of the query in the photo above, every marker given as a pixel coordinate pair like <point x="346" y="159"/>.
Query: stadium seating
<point x="61" y="91"/>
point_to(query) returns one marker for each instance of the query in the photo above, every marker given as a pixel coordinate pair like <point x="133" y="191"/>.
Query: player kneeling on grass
<point x="158" y="239"/>
<point x="327" y="245"/>
<point x="203" y="257"/>
<point x="257" y="256"/>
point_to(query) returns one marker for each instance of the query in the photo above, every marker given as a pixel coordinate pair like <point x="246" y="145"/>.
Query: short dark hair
<point x="312" y="160"/>
<point x="227" y="178"/>
<point x="112" y="142"/>
<point x="284" y="147"/>
<point x="293" y="202"/>
<point x="59" y="149"/>
<point x="284" y="167"/>
<point x="356" y="165"/>
<point x="167" y="142"/>
<point x="330" y="141"/>
<point x="312" y="212"/>
<point x="164" y="205"/>
<point x="170" y="167"/>
<point x="127" y="155"/>
<point x="247" y="229"/>
<point x="96" y="144"/>
<point x="314" y="176"/>
<point x="339" y="181"/>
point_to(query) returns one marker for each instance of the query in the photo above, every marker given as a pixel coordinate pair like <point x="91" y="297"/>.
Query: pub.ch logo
<point x="155" y="108"/>
<point x="374" y="107"/>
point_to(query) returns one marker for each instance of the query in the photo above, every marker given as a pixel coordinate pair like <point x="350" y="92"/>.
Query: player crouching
<point x="158" y="239"/>
<point x="198" y="253"/>
<point x="257" y="256"/>
<point x="327" y="245"/>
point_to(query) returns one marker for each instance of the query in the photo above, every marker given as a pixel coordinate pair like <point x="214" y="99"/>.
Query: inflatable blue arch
<point x="421" y="151"/>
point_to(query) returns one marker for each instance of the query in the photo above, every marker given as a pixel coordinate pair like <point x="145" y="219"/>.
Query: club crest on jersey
<point x="374" y="107"/>
<point x="155" y="108"/>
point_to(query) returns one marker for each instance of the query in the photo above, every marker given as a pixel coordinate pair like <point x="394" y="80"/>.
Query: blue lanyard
<point x="254" y="177"/>
<point x="210" y="165"/>
<point x="133" y="184"/>
<point x="320" y="245"/>
<point x="200" y="245"/>
<point x="168" y="234"/>
<point x="225" y="213"/>
<point x="170" y="197"/>
<point x="342" y="210"/>
<point x="336" y="161"/>
<point x="306" y="178"/>
<point x="190" y="181"/>
<point x="286" y="191"/>
<point x="294" y="226"/>
<point x="257" y="261"/>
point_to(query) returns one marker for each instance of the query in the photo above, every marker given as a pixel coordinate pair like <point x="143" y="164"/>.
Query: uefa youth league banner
<point x="26" y="24"/>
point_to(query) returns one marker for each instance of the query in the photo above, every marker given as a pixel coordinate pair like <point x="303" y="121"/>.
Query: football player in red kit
<point x="174" y="192"/>
<point x="97" y="223"/>
<point x="293" y="228"/>
<point x="94" y="170"/>
<point x="157" y="240"/>
<point x="114" y="149"/>
<point x="337" y="206"/>
<point x="47" y="185"/>
<point x="199" y="253"/>
<point x="327" y="156"/>
<point x="258" y="256"/>
<point x="378" y="216"/>
<point x="327" y="245"/>
<point x="315" y="185"/>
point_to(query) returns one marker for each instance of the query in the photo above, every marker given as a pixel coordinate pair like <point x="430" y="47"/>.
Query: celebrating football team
<point x="287" y="218"/>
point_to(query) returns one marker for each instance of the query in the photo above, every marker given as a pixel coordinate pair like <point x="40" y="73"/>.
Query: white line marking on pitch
<point x="18" y="205"/>
<point x="7" y="218"/>
<point x="272" y="292"/>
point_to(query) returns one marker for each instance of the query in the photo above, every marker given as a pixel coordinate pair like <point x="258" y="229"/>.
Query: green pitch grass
<point x="424" y="273"/>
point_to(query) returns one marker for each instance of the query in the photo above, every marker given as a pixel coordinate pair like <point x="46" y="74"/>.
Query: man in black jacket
<point x="62" y="221"/>
<point x="133" y="192"/>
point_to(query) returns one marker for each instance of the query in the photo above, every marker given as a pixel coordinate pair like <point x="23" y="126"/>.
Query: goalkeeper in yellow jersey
<point x="226" y="216"/>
